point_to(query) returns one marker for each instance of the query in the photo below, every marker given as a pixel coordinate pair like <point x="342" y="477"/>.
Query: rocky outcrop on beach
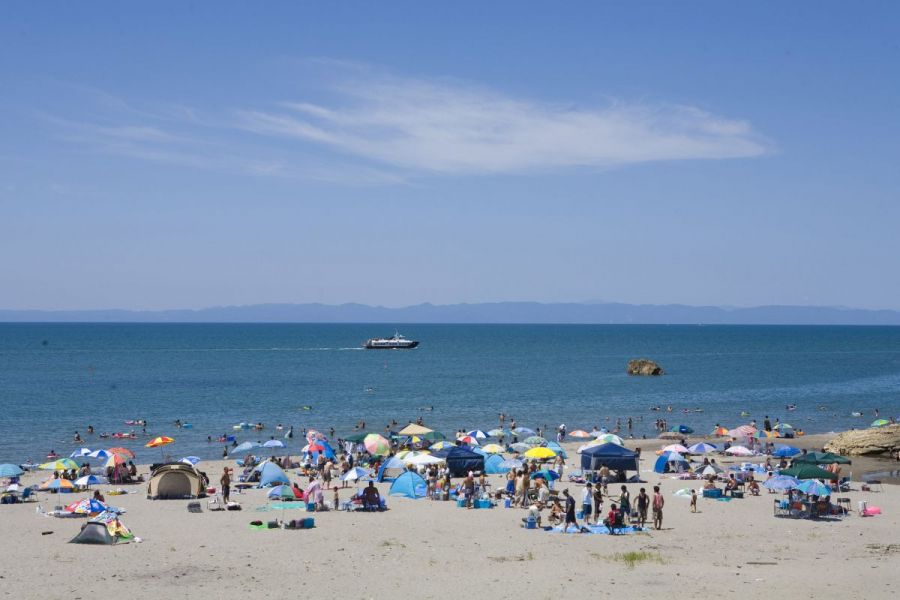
<point x="876" y="440"/>
<point x="644" y="366"/>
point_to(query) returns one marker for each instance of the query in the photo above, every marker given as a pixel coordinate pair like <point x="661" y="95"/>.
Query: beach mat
<point x="596" y="530"/>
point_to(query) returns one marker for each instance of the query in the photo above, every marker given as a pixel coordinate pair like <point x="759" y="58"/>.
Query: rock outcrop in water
<point x="876" y="440"/>
<point x="644" y="366"/>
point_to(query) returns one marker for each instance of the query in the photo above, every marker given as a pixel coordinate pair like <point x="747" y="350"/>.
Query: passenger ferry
<point x="398" y="342"/>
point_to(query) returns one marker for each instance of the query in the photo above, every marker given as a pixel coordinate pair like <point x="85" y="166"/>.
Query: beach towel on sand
<point x="595" y="529"/>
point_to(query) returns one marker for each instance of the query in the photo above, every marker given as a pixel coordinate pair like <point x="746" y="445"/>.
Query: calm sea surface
<point x="59" y="378"/>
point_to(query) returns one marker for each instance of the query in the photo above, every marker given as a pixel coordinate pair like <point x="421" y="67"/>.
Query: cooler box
<point x="483" y="503"/>
<point x="307" y="523"/>
<point x="507" y="503"/>
<point x="460" y="502"/>
<point x="531" y="523"/>
<point x="716" y="493"/>
<point x="310" y="507"/>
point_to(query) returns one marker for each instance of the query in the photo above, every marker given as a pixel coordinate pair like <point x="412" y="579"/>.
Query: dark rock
<point x="644" y="366"/>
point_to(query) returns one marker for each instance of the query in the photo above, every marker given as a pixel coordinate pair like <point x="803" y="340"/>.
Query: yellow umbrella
<point x="540" y="452"/>
<point x="413" y="429"/>
<point x="63" y="464"/>
<point x="441" y="445"/>
<point x="492" y="448"/>
<point x="160" y="441"/>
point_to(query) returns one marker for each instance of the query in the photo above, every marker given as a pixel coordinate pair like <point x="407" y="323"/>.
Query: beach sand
<point x="426" y="549"/>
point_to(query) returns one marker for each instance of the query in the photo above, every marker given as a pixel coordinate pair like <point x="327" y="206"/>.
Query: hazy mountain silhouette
<point x="494" y="312"/>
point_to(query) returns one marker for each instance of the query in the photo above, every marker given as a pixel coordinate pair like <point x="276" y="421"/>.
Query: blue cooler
<point x="461" y="502"/>
<point x="309" y="523"/>
<point x="531" y="523"/>
<point x="310" y="507"/>
<point x="507" y="503"/>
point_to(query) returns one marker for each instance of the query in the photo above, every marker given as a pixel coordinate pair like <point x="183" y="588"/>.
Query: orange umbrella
<point x="160" y="441"/>
<point x="122" y="452"/>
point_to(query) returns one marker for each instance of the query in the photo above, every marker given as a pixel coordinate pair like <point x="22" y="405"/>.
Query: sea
<point x="56" y="379"/>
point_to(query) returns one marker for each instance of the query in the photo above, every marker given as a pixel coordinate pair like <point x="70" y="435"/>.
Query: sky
<point x="187" y="154"/>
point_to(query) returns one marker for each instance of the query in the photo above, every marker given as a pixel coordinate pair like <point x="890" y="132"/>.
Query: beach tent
<point x="390" y="469"/>
<point x="409" y="484"/>
<point x="493" y="465"/>
<point x="94" y="532"/>
<point x="271" y="474"/>
<point x="670" y="462"/>
<point x="612" y="455"/>
<point x="175" y="481"/>
<point x="461" y="460"/>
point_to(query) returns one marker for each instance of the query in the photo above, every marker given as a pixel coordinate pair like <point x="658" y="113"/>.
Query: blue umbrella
<point x="81" y="453"/>
<point x="101" y="454"/>
<point x="813" y="487"/>
<point x="10" y="470"/>
<point x="703" y="448"/>
<point x="191" y="460"/>
<point x="786" y="451"/>
<point x="274" y="444"/>
<point x="521" y="430"/>
<point x="781" y="482"/>
<point x="477" y="433"/>
<point x="244" y="447"/>
<point x="354" y="474"/>
<point x="547" y="474"/>
<point x="90" y="480"/>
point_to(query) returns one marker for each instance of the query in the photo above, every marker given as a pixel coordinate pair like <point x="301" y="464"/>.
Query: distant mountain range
<point x="493" y="312"/>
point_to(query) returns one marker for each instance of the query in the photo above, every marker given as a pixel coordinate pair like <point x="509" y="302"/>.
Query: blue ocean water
<point x="59" y="378"/>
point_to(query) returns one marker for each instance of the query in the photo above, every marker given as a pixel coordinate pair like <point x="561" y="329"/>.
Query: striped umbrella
<point x="492" y="449"/>
<point x="122" y="451"/>
<point x="57" y="484"/>
<point x="468" y="439"/>
<point x="580" y="433"/>
<point x="160" y="441"/>
<point x="63" y="464"/>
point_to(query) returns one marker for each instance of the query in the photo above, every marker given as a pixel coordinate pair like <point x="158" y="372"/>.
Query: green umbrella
<point x="356" y="437"/>
<point x="880" y="422"/>
<point x="808" y="471"/>
<point x="433" y="436"/>
<point x="820" y="458"/>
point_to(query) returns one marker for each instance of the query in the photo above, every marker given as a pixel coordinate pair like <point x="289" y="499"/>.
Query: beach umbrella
<point x="87" y="506"/>
<point x="159" y="442"/>
<point x="579" y="433"/>
<point x="820" y="458"/>
<point x="433" y="436"/>
<point x="282" y="492"/>
<point x="354" y="474"/>
<point x="739" y="451"/>
<point x="356" y="438"/>
<point x="492" y="449"/>
<point x="547" y="474"/>
<point x="512" y="463"/>
<point x="414" y="429"/>
<point x="808" y="471"/>
<point x="681" y="429"/>
<point x="244" y="447"/>
<point x="763" y="434"/>
<point x="81" y="453"/>
<point x="10" y="470"/>
<point x="57" y="484"/>
<point x="89" y="480"/>
<point x="813" y="487"/>
<point x="742" y="431"/>
<point x="468" y="439"/>
<point x="423" y="459"/>
<point x="499" y="432"/>
<point x="683" y="493"/>
<point x="441" y="445"/>
<point x="557" y="448"/>
<point x="785" y="451"/>
<point x="720" y="431"/>
<point x="540" y="452"/>
<point x="190" y="460"/>
<point x="123" y="451"/>
<point x="524" y="430"/>
<point x="376" y="445"/>
<point x="708" y="470"/>
<point x="880" y="422"/>
<point x="702" y="448"/>
<point x="273" y="444"/>
<point x="607" y="438"/>
<point x="598" y="432"/>
<point x="676" y="448"/>
<point x="781" y="482"/>
<point x="312" y="435"/>
<point x="783" y="426"/>
<point x="115" y="459"/>
<point x="535" y="440"/>
<point x="100" y="454"/>
<point x="477" y="434"/>
<point x="520" y="447"/>
<point x="63" y="464"/>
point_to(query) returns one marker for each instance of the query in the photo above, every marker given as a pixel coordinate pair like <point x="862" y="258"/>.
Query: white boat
<point x="398" y="342"/>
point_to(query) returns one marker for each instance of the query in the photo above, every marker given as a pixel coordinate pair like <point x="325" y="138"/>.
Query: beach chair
<point x="844" y="484"/>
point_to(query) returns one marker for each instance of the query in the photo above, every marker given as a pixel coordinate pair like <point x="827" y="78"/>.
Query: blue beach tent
<point x="493" y="465"/>
<point x="390" y="469"/>
<point x="409" y="485"/>
<point x="461" y="460"/>
<point x="612" y="455"/>
<point x="672" y="462"/>
<point x="271" y="474"/>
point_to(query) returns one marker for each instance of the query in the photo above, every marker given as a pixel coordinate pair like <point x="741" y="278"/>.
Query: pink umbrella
<point x="676" y="448"/>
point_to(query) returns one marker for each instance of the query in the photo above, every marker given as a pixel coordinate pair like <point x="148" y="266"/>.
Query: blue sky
<point x="175" y="154"/>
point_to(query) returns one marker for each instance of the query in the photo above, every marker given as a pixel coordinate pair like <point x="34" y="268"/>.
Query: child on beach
<point x="693" y="501"/>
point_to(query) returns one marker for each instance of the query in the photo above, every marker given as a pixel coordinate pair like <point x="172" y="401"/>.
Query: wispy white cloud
<point x="381" y="129"/>
<point x="454" y="127"/>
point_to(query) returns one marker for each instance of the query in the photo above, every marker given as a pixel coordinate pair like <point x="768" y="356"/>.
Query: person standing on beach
<point x="587" y="496"/>
<point x="643" y="503"/>
<point x="225" y="482"/>
<point x="598" y="504"/>
<point x="693" y="501"/>
<point x="658" y="503"/>
<point x="570" y="511"/>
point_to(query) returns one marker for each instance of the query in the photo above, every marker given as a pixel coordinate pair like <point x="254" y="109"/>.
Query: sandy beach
<point x="432" y="549"/>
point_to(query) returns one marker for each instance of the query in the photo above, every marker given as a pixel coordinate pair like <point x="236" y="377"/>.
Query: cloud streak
<point x="457" y="128"/>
